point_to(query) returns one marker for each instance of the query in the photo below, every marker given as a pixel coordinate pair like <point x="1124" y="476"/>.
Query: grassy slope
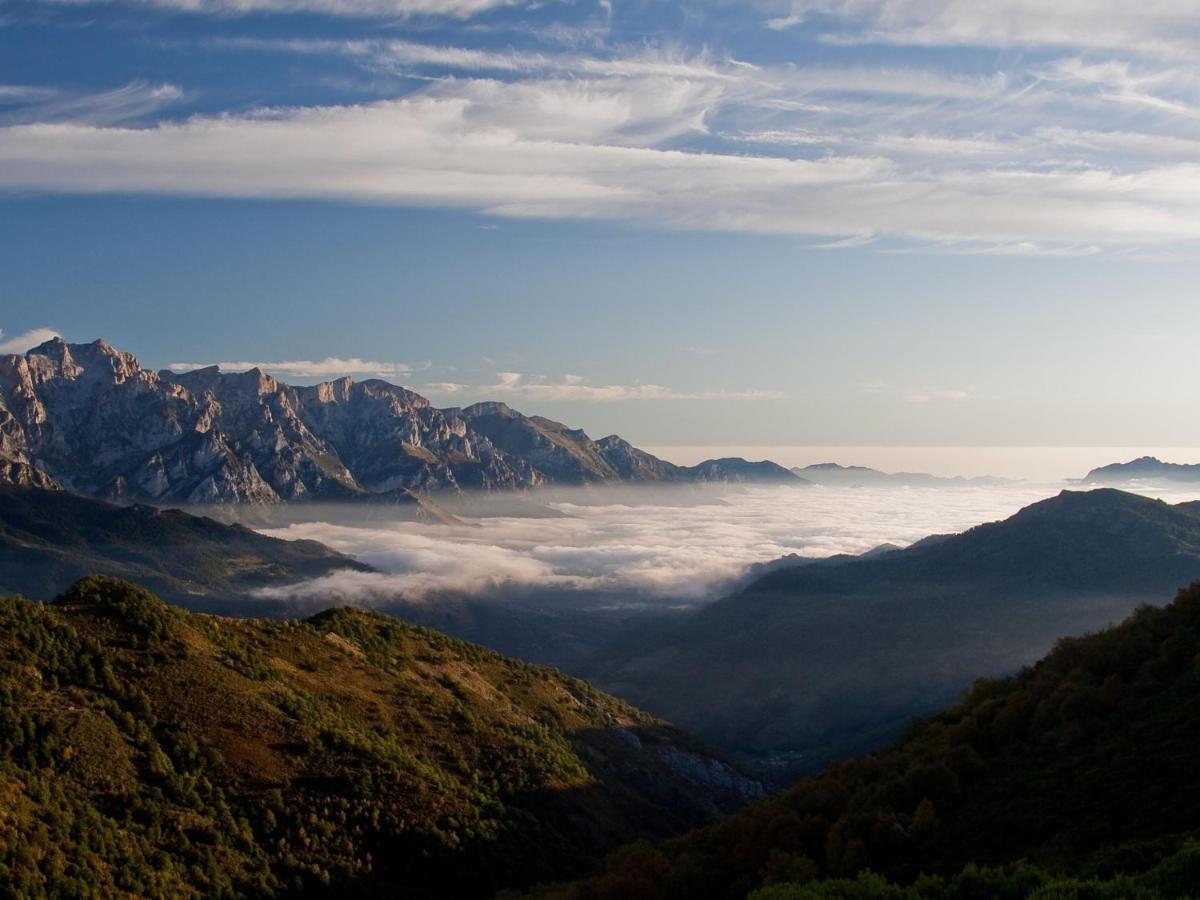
<point x="1083" y="765"/>
<point x="149" y="751"/>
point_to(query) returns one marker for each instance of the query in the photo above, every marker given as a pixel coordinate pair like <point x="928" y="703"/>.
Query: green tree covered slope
<point x="146" y="751"/>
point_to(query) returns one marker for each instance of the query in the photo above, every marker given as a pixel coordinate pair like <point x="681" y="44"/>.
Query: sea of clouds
<point x="657" y="551"/>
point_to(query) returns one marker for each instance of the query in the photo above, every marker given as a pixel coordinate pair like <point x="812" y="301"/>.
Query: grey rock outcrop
<point x="91" y="419"/>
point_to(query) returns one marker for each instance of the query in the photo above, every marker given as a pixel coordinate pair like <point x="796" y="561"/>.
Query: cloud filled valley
<point x="659" y="551"/>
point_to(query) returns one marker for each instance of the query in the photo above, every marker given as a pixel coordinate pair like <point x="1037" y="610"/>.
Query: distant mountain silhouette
<point x="1145" y="468"/>
<point x="739" y="471"/>
<point x="860" y="476"/>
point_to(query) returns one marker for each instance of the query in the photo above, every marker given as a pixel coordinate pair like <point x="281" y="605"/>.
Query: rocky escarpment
<point x="91" y="419"/>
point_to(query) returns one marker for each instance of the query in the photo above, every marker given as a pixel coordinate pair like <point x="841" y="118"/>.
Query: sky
<point x="786" y="222"/>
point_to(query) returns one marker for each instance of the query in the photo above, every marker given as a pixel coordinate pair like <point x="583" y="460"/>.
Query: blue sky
<point x="809" y="222"/>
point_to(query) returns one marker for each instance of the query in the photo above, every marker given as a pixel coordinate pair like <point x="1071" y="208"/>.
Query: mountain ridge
<point x="50" y="539"/>
<point x="89" y="418"/>
<point x="832" y="474"/>
<point x="1144" y="467"/>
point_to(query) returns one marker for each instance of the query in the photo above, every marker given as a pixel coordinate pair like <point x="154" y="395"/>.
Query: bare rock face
<point x="19" y="474"/>
<point x="633" y="464"/>
<point x="89" y="418"/>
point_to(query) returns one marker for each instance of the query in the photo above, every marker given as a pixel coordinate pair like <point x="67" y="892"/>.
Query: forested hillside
<point x="151" y="752"/>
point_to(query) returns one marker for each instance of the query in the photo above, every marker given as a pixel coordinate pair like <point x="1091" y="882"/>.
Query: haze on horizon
<point x="760" y="224"/>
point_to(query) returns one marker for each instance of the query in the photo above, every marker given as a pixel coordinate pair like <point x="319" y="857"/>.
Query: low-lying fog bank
<point x="581" y="574"/>
<point x="665" y="546"/>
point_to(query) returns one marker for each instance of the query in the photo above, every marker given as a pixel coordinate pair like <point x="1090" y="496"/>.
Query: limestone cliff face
<point x="89" y="418"/>
<point x="633" y="464"/>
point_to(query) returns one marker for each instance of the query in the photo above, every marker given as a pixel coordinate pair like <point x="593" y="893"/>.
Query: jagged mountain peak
<point x="90" y="417"/>
<point x="97" y="359"/>
<point x="488" y="408"/>
<point x="54" y="346"/>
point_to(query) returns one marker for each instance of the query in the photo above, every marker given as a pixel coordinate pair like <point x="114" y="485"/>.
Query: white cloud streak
<point x="130" y="102"/>
<point x="27" y="340"/>
<point x="1163" y="27"/>
<point x="932" y="394"/>
<point x="517" y="151"/>
<point x="853" y="154"/>
<point x="574" y="388"/>
<point x="449" y="9"/>
<point x="330" y="366"/>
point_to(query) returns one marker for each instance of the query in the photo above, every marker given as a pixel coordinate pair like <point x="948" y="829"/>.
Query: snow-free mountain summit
<point x="90" y="418"/>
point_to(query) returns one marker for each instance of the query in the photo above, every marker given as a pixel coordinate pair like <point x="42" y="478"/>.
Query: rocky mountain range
<point x="89" y="418"/>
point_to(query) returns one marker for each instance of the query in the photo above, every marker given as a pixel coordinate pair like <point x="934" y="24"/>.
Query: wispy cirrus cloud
<point x="26" y="340"/>
<point x="934" y="394"/>
<point x="575" y="388"/>
<point x="129" y="102"/>
<point x="1167" y="27"/>
<point x="329" y="367"/>
<point x="393" y="54"/>
<point x="500" y="150"/>
<point x="25" y="93"/>
<point x="449" y="9"/>
<point x="857" y="154"/>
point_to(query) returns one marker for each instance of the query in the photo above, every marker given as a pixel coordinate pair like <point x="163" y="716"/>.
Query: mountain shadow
<point x="50" y="539"/>
<point x="1075" y="778"/>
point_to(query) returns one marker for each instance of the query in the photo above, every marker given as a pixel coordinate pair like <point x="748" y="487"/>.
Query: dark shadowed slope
<point x="1083" y="765"/>
<point x="49" y="539"/>
<point x="149" y="751"/>
<point x="818" y="660"/>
